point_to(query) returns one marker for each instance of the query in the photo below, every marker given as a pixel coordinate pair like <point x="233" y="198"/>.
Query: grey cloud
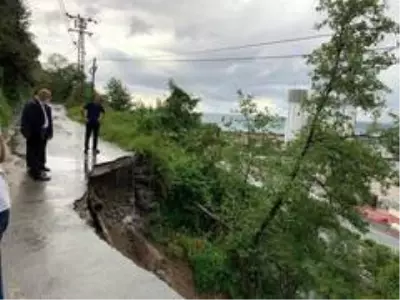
<point x="212" y="23"/>
<point x="193" y="32"/>
<point x="108" y="54"/>
<point x="51" y="18"/>
<point x="206" y="24"/>
<point x="393" y="98"/>
<point x="132" y="74"/>
<point x="91" y="9"/>
<point x="139" y="25"/>
<point x="212" y="81"/>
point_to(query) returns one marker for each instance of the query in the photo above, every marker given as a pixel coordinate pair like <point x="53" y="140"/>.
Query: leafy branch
<point x="313" y="127"/>
<point x="358" y="25"/>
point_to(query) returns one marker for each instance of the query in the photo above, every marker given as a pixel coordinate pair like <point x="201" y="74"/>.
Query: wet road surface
<point x="48" y="251"/>
<point x="380" y="236"/>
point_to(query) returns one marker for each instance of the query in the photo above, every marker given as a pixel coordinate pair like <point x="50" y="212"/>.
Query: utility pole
<point x="80" y="26"/>
<point x="93" y="70"/>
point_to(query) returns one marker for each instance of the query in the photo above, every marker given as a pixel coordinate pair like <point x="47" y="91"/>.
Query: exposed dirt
<point x="120" y="195"/>
<point x="176" y="272"/>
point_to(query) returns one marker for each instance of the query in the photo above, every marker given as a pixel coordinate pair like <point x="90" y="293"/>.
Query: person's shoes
<point x="42" y="178"/>
<point x="95" y="151"/>
<point x="45" y="169"/>
<point x="39" y="177"/>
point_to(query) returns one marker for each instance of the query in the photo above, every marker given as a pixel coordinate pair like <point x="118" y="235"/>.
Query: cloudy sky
<point x="143" y="29"/>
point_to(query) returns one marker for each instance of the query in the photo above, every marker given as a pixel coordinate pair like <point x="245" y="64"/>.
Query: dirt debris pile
<point x="120" y="196"/>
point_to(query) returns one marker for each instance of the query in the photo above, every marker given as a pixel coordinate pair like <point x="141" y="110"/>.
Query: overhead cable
<point x="253" y="45"/>
<point x="225" y="59"/>
<point x="63" y="11"/>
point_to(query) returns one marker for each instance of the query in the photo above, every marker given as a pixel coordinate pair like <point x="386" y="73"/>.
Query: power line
<point x="225" y="59"/>
<point x="260" y="44"/>
<point x="216" y="59"/>
<point x="63" y="11"/>
<point x="254" y="45"/>
<point x="62" y="5"/>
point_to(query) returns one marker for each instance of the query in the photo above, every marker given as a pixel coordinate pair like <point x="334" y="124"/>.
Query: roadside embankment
<point x="120" y="198"/>
<point x="174" y="210"/>
<point x="137" y="224"/>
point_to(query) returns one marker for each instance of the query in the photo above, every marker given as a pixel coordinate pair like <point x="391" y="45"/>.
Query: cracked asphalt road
<point x="48" y="251"/>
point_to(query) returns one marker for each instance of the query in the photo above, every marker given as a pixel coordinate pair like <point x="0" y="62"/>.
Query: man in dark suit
<point x="48" y="136"/>
<point x="34" y="127"/>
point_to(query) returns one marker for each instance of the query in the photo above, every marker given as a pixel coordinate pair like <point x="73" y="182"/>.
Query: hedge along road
<point x="48" y="251"/>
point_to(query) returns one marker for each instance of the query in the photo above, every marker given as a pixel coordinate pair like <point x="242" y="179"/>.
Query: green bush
<point x="185" y="158"/>
<point x="210" y="267"/>
<point x="5" y="111"/>
<point x="210" y="263"/>
<point x="183" y="161"/>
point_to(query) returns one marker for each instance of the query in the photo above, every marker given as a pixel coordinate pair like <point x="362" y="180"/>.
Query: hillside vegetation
<point x="210" y="212"/>
<point x="254" y="219"/>
<point x="19" y="65"/>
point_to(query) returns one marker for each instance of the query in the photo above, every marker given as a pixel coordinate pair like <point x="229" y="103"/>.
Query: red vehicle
<point x="381" y="217"/>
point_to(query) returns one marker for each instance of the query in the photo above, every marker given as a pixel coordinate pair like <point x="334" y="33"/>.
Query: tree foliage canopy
<point x="18" y="52"/>
<point x="61" y="77"/>
<point x="117" y="95"/>
<point x="257" y="219"/>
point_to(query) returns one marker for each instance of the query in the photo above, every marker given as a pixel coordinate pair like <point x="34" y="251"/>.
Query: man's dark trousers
<point x="92" y="127"/>
<point x="43" y="154"/>
<point x="34" y="152"/>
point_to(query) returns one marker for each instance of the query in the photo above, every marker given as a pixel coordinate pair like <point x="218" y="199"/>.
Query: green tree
<point x="284" y="240"/>
<point x="5" y="111"/>
<point x="388" y="281"/>
<point x="178" y="115"/>
<point x="56" y="62"/>
<point x="60" y="76"/>
<point x="117" y="95"/>
<point x="382" y="270"/>
<point x="345" y="73"/>
<point x="18" y="52"/>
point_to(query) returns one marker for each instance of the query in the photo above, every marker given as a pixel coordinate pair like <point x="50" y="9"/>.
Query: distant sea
<point x="361" y="127"/>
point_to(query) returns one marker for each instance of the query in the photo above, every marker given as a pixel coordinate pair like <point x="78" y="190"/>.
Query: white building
<point x="297" y="117"/>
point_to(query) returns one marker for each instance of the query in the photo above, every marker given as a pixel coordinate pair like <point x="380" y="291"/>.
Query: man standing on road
<point x="93" y="113"/>
<point x="34" y="127"/>
<point x="48" y="135"/>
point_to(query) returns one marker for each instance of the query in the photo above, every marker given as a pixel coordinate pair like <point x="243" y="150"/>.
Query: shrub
<point x="5" y="111"/>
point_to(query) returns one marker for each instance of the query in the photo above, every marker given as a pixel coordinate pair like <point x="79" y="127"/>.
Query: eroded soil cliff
<point x="120" y="197"/>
